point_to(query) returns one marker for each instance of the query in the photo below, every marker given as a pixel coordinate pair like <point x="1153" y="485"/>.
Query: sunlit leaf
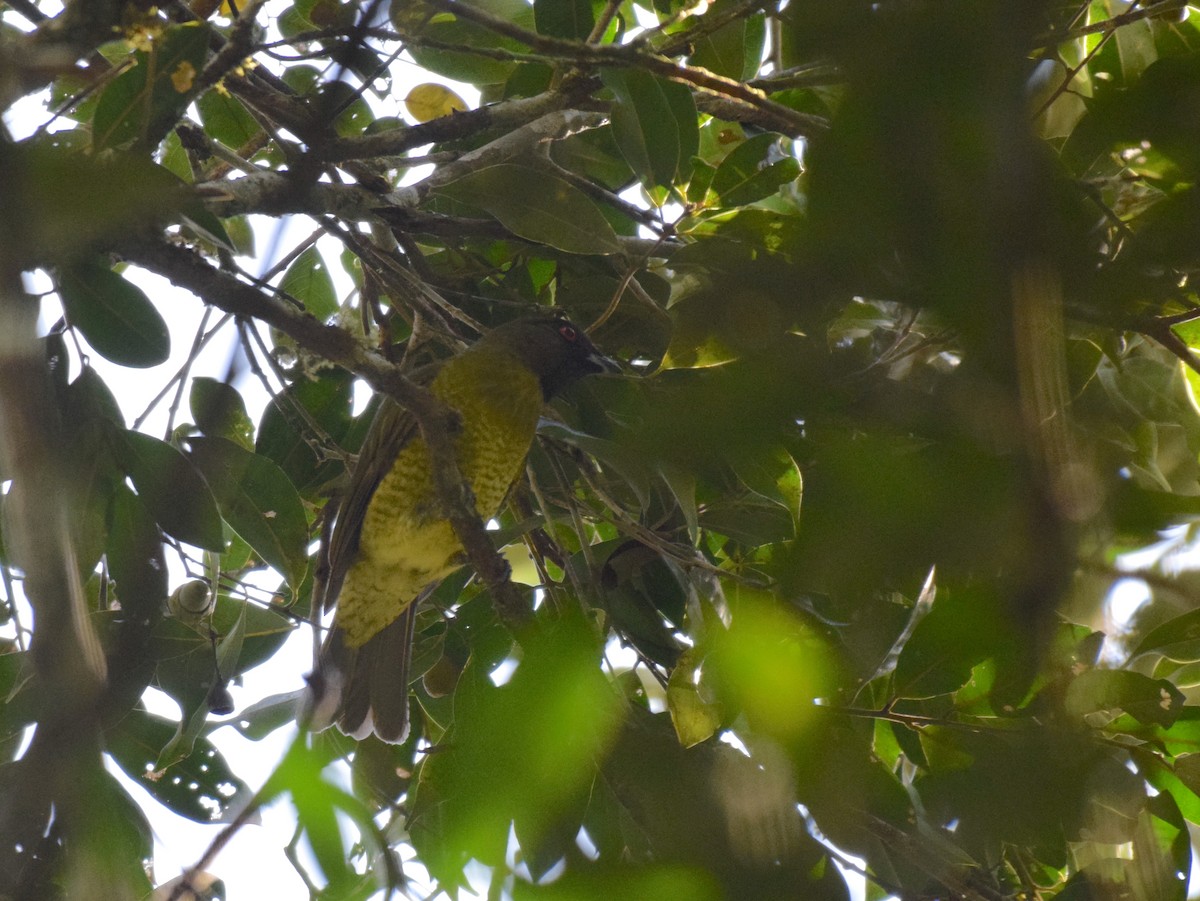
<point x="432" y="101"/>
<point x="695" y="718"/>
<point x="754" y="170"/>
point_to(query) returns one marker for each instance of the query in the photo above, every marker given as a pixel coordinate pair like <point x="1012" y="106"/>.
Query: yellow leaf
<point x="432" y="101"/>
<point x="183" y="77"/>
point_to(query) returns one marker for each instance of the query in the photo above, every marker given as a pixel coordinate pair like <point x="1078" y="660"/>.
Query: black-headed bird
<point x="391" y="545"/>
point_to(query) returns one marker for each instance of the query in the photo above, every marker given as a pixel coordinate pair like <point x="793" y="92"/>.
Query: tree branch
<point x="631" y="56"/>
<point x="506" y="115"/>
<point x="186" y="269"/>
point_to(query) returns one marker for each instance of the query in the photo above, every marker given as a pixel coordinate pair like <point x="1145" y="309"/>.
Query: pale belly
<point x="404" y="547"/>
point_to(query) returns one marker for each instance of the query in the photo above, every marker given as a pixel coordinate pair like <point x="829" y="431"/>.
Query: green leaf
<point x="946" y="644"/>
<point x="186" y="665"/>
<point x="594" y="154"/>
<point x="570" y="19"/>
<point x="448" y="30"/>
<point x="308" y="280"/>
<point x="733" y="50"/>
<point x="642" y="591"/>
<point x="771" y="665"/>
<point x="115" y="836"/>
<point x="220" y="412"/>
<point x="537" y="206"/>
<point x="651" y="126"/>
<point x="259" y="503"/>
<point x="80" y="199"/>
<point x="317" y="801"/>
<point x="207" y="227"/>
<point x="1158" y="774"/>
<point x="116" y="317"/>
<point x="226" y="120"/>
<point x="135" y="555"/>
<point x="1149" y="701"/>
<point x="145" y="100"/>
<point x="631" y="880"/>
<point x="273" y="712"/>
<point x="1182" y="629"/>
<point x="1135" y="46"/>
<point x="202" y="787"/>
<point x="288" y="433"/>
<point x="506" y="763"/>
<point x="175" y="159"/>
<point x="172" y="489"/>
<point x="1162" y="852"/>
<point x="694" y="717"/>
<point x="749" y="174"/>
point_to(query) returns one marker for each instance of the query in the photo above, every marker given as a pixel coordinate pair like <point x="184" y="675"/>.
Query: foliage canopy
<point x="905" y="293"/>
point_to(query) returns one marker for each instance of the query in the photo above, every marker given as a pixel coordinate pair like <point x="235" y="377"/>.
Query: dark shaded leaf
<point x="259" y="503"/>
<point x="734" y="50"/>
<point x="116" y="317"/>
<point x="1162" y="852"/>
<point x="220" y="412"/>
<point x="202" y="787"/>
<point x="186" y="662"/>
<point x="173" y="490"/>
<point x="1149" y="701"/>
<point x="564" y="18"/>
<point x="300" y="421"/>
<point x="135" y="556"/>
<point x="538" y="206"/>
<point x="655" y="136"/>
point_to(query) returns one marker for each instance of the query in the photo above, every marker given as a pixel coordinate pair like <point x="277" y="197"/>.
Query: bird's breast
<point x="405" y="543"/>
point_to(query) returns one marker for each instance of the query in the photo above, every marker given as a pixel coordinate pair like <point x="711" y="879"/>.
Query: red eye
<point x="568" y="332"/>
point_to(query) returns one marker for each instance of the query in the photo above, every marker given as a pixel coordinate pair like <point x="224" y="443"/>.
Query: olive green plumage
<point x="389" y="544"/>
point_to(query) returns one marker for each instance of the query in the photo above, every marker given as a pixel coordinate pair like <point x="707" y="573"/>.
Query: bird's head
<point x="556" y="350"/>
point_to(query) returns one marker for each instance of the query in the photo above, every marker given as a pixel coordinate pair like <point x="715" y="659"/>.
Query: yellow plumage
<point x="403" y="547"/>
<point x="390" y="543"/>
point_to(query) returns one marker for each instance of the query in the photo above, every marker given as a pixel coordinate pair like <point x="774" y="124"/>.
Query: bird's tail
<point x="364" y="689"/>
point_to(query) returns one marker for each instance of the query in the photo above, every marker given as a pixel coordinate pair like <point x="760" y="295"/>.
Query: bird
<point x="391" y="545"/>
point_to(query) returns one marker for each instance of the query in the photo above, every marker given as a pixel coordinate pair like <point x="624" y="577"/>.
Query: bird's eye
<point x="568" y="332"/>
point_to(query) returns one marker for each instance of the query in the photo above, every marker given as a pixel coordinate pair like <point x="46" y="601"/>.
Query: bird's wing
<point x="391" y="429"/>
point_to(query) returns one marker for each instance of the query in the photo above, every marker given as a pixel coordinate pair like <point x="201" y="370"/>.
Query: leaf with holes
<point x="201" y="787"/>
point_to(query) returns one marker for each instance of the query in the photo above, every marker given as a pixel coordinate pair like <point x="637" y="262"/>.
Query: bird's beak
<point x="601" y="363"/>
